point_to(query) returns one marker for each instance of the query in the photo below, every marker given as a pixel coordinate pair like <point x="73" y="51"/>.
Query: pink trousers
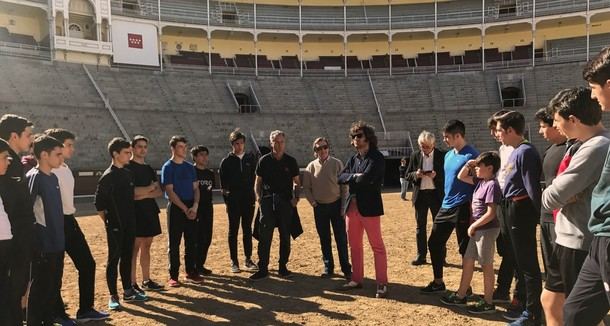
<point x="356" y="225"/>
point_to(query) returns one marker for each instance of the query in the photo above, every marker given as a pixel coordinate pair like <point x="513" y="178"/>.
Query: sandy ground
<point x="306" y="299"/>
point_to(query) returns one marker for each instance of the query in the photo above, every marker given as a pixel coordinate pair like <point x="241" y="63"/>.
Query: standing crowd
<point x="493" y="200"/>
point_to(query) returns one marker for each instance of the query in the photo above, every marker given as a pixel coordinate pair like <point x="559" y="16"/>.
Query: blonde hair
<point x="426" y="137"/>
<point x="317" y="140"/>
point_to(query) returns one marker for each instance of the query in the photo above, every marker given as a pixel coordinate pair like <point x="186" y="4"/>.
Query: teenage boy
<point x="114" y="201"/>
<point x="146" y="189"/>
<point x="6" y="235"/>
<point x="237" y="182"/>
<point x="77" y="247"/>
<point x="455" y="208"/>
<point x="17" y="132"/>
<point x="276" y="186"/>
<point x="576" y="116"/>
<point x="205" y="213"/>
<point x="179" y="179"/>
<point x="589" y="300"/>
<point x="324" y="194"/>
<point x="521" y="209"/>
<point x="48" y="262"/>
<point x="483" y="230"/>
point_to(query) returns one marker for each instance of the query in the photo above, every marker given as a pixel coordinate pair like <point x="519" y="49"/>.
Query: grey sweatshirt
<point x="571" y="192"/>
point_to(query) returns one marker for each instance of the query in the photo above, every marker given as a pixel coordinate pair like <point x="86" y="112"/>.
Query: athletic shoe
<point x="113" y="303"/>
<point x="482" y="307"/>
<point x="382" y="291"/>
<point x="151" y="285"/>
<point x="526" y="319"/>
<point x="194" y="278"/>
<point x="64" y="321"/>
<point x="138" y="289"/>
<point x="173" y="283"/>
<point x="251" y="266"/>
<point x="284" y="272"/>
<point x="432" y="287"/>
<point x="235" y="268"/>
<point x="259" y="275"/>
<point x="133" y="295"/>
<point x="471" y="297"/>
<point x="91" y="315"/>
<point x="452" y="299"/>
<point x="204" y="271"/>
<point x="351" y="285"/>
<point x="514" y="310"/>
<point x="418" y="262"/>
<point x="500" y="297"/>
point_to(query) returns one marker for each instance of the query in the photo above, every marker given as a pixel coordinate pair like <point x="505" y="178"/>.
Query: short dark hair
<point x="46" y="144"/>
<point x="368" y="130"/>
<point x="453" y="127"/>
<point x="138" y="138"/>
<point x="116" y="145"/>
<point x="236" y="135"/>
<point x="597" y="70"/>
<point x="198" y="149"/>
<point x="11" y="123"/>
<point x="489" y="158"/>
<point x="177" y="139"/>
<point x="544" y="115"/>
<point x="512" y="119"/>
<point x="4" y="146"/>
<point x="577" y="102"/>
<point x="491" y="122"/>
<point x="60" y="134"/>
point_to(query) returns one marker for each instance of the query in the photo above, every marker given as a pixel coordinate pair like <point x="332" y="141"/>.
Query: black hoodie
<point x="237" y="177"/>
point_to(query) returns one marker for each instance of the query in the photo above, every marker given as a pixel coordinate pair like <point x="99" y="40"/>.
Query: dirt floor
<point x="306" y="299"/>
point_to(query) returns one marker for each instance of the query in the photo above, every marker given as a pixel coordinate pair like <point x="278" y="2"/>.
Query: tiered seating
<point x="425" y="59"/>
<point x="190" y="58"/>
<point x="244" y="60"/>
<point x="472" y="56"/>
<point x="290" y="62"/>
<point x="444" y="59"/>
<point x="380" y="61"/>
<point x="398" y="61"/>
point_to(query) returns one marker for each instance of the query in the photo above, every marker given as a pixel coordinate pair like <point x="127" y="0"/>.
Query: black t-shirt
<point x="402" y="170"/>
<point x="206" y="182"/>
<point x="551" y="159"/>
<point x="277" y="174"/>
<point x="144" y="175"/>
<point x="114" y="195"/>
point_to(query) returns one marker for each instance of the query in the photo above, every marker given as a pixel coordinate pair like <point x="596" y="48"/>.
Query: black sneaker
<point x="133" y="295"/>
<point x="204" y="271"/>
<point x="152" y="286"/>
<point x="452" y="299"/>
<point x="432" y="287"/>
<point x="251" y="266"/>
<point x="138" y="289"/>
<point x="259" y="275"/>
<point x="499" y="297"/>
<point x="284" y="272"/>
<point x="482" y="307"/>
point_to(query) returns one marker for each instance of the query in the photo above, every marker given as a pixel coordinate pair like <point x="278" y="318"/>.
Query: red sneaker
<point x="194" y="278"/>
<point x="173" y="283"/>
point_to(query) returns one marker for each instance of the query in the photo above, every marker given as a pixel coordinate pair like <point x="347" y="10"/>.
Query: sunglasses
<point x="360" y="135"/>
<point x="319" y="148"/>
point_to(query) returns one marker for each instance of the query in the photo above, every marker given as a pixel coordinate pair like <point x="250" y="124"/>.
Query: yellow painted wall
<point x="507" y="41"/>
<point x="312" y="49"/>
<point x="188" y="43"/>
<point x="274" y="50"/>
<point x="229" y="48"/>
<point x="79" y="57"/>
<point x="34" y="24"/>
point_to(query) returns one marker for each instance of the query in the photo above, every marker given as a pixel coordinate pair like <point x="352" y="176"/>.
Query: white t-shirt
<point x="5" y="224"/>
<point x="66" y="187"/>
<point x="505" y="152"/>
<point x="427" y="165"/>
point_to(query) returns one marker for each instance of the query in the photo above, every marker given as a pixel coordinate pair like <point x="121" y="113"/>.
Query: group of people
<point x="497" y="199"/>
<point x="493" y="200"/>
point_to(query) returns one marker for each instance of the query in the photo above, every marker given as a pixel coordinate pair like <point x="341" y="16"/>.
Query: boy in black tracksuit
<point x="205" y="211"/>
<point x="237" y="182"/>
<point x="16" y="197"/>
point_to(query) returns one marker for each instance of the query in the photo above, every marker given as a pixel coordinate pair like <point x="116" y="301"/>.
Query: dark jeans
<point x="20" y="274"/>
<point x="327" y="215"/>
<point x="442" y="229"/>
<point x="275" y="211"/>
<point x="5" y="252"/>
<point x="547" y="241"/>
<point x="78" y="250"/>
<point x="120" y="251"/>
<point x="521" y="218"/>
<point x="46" y="282"/>
<point x="426" y="200"/>
<point x="178" y="224"/>
<point x="588" y="302"/>
<point x="205" y="224"/>
<point x="507" y="270"/>
<point x="240" y="210"/>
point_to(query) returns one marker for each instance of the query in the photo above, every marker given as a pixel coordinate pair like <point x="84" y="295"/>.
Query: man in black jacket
<point x="364" y="174"/>
<point x="237" y="181"/>
<point x="427" y="174"/>
<point x="17" y="132"/>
